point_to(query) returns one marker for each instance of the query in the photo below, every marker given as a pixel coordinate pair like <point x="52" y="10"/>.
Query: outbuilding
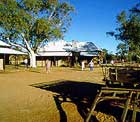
<point x="66" y="53"/>
<point x="5" y="52"/>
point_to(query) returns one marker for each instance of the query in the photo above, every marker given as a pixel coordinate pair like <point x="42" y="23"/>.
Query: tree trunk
<point x="30" y="52"/>
<point x="32" y="59"/>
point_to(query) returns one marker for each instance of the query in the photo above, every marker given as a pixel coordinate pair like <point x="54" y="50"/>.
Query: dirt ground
<point x="63" y="95"/>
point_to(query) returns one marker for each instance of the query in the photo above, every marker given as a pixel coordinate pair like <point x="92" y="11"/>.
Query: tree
<point x="106" y="56"/>
<point x="122" y="50"/>
<point x="29" y="24"/>
<point x="128" y="30"/>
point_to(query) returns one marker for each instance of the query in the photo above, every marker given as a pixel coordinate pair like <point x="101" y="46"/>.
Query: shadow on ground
<point x="82" y="94"/>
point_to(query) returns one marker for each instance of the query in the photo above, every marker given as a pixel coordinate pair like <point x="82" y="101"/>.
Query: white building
<point x="61" y="52"/>
<point x="5" y="51"/>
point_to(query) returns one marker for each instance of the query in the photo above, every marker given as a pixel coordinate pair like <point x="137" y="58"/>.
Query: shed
<point x="6" y="50"/>
<point x="63" y="51"/>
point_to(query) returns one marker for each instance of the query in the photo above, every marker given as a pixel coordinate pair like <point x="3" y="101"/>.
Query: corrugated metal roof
<point x="55" y="53"/>
<point x="88" y="53"/>
<point x="9" y="51"/>
<point x="4" y="44"/>
<point x="62" y="48"/>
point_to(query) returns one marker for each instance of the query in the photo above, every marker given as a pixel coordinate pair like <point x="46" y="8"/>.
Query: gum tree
<point x="122" y="50"/>
<point x="29" y="24"/>
<point x="128" y="30"/>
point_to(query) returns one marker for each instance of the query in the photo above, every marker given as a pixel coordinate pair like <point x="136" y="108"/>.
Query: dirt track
<point x="25" y="97"/>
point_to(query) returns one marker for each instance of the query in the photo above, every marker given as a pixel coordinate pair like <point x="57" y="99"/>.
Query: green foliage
<point x="12" y="18"/>
<point x="128" y="31"/>
<point x="39" y="20"/>
<point x="107" y="56"/>
<point x="122" y="50"/>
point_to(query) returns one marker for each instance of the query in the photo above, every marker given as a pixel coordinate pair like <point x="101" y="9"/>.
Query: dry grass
<point x="25" y="95"/>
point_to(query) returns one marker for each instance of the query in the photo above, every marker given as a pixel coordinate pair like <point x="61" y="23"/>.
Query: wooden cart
<point x="122" y="89"/>
<point x="123" y="76"/>
<point x="127" y="99"/>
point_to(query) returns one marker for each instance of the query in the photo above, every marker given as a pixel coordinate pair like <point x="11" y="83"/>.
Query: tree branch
<point x="51" y="14"/>
<point x="26" y="43"/>
<point x="16" y="45"/>
<point x="41" y="44"/>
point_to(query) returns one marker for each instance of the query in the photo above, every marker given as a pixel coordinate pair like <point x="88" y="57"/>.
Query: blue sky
<point x="93" y="18"/>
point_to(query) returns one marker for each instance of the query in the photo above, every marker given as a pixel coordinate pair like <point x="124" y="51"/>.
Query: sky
<point x="93" y="18"/>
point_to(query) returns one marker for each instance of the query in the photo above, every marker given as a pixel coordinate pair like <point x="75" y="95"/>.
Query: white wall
<point x="1" y="64"/>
